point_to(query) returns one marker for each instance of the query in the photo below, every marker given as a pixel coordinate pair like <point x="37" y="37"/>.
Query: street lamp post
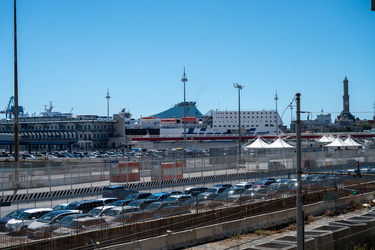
<point x="239" y="87"/>
<point x="277" y="123"/>
<point x="184" y="80"/>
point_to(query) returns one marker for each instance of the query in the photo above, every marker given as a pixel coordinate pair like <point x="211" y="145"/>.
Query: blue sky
<point x="71" y="51"/>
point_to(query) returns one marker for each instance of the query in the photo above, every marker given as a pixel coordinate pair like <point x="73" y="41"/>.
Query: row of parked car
<point x="43" y="221"/>
<point x="110" y="211"/>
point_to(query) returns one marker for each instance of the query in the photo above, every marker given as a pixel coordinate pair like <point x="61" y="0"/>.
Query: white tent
<point x="326" y="138"/>
<point x="279" y="143"/>
<point x="338" y="142"/>
<point x="258" y="143"/>
<point x="350" y="142"/>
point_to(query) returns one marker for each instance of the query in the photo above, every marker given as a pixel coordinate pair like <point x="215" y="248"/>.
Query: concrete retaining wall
<point x="325" y="236"/>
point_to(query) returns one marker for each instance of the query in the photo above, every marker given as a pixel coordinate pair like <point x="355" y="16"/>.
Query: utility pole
<point x="299" y="212"/>
<point x="239" y="87"/>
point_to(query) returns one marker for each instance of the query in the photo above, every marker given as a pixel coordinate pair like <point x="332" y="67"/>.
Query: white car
<point x="24" y="219"/>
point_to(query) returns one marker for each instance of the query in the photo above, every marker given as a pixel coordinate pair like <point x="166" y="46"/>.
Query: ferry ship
<point x="170" y="123"/>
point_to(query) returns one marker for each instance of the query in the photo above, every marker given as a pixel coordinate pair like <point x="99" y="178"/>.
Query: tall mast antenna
<point x="108" y="97"/>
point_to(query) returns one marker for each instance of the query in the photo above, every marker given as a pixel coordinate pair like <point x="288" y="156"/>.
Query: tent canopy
<point x="338" y="142"/>
<point x="326" y="138"/>
<point x="350" y="142"/>
<point x="279" y="143"/>
<point x="257" y="143"/>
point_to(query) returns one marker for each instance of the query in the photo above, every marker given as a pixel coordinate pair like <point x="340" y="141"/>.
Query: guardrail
<point x="90" y="191"/>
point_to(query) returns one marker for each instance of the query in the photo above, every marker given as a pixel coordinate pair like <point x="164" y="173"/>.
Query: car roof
<point x="180" y="195"/>
<point x="35" y="210"/>
<point x="122" y="208"/>
<point x="62" y="212"/>
<point x="79" y="215"/>
<point x="62" y="204"/>
<point x="161" y="193"/>
<point x="85" y="201"/>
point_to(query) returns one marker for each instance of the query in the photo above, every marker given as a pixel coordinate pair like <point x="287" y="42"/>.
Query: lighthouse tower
<point x="345" y="118"/>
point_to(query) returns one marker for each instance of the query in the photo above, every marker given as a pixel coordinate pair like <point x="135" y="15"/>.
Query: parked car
<point x="129" y="218"/>
<point x="24" y="219"/>
<point x="177" y="199"/>
<point x="244" y="185"/>
<point x="261" y="183"/>
<point x="211" y="193"/>
<point x="108" y="200"/>
<point x="142" y="204"/>
<point x="113" y="212"/>
<point x="98" y="211"/>
<point x="194" y="191"/>
<point x="4" y="220"/>
<point x="170" y="211"/>
<point x="159" y="196"/>
<point x="155" y="206"/>
<point x="223" y="197"/>
<point x="174" y="192"/>
<point x="223" y="185"/>
<point x="84" y="206"/>
<point x="63" y="222"/>
<point x="80" y="224"/>
<point x="41" y="227"/>
<point x="130" y="198"/>
<point x="117" y="191"/>
<point x="60" y="207"/>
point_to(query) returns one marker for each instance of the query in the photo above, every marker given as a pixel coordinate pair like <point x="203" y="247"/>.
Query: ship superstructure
<point x="171" y="122"/>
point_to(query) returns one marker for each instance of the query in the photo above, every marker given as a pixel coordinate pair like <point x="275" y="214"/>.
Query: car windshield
<point x="154" y="197"/>
<point x="68" y="219"/>
<point x="171" y="198"/>
<point x="46" y="218"/>
<point x="117" y="203"/>
<point x="134" y="204"/>
<point x="131" y="196"/>
<point x="95" y="211"/>
<point x="14" y="214"/>
<point x="249" y="191"/>
<point x="111" y="212"/>
<point x="25" y="216"/>
<point x="71" y="207"/>
<point x="154" y="205"/>
<point x="282" y="180"/>
<point x="190" y="201"/>
<point x="211" y="190"/>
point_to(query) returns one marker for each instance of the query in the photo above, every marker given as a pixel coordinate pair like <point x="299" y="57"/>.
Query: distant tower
<point x="345" y="118"/>
<point x="108" y="97"/>
<point x="345" y="97"/>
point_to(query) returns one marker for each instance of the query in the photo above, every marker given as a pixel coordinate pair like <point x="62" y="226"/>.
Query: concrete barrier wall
<point x="326" y="238"/>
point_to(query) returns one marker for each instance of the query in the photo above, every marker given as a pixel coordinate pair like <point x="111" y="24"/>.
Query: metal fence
<point x="132" y="228"/>
<point x="51" y="175"/>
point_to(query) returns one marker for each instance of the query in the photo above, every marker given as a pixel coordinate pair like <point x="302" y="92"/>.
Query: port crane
<point x="9" y="109"/>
